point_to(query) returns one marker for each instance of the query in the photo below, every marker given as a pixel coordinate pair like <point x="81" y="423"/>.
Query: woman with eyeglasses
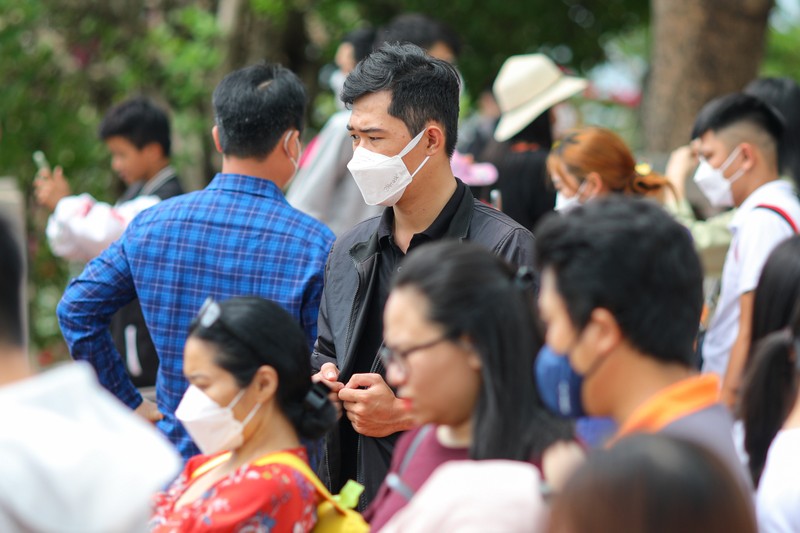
<point x="460" y="338"/>
<point x="249" y="402"/>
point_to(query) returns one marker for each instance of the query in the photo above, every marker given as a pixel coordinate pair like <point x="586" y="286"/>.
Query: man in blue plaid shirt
<point x="238" y="236"/>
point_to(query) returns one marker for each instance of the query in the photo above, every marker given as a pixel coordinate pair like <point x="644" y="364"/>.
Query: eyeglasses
<point x="390" y="355"/>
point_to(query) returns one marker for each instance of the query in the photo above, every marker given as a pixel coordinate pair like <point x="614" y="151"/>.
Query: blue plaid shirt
<point x="237" y="237"/>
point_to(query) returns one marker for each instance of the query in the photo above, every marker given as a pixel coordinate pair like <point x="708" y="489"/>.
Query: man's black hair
<point x="139" y="121"/>
<point x="254" y="106"/>
<point x="630" y="257"/>
<point x="784" y="95"/>
<point x="11" y="331"/>
<point x="423" y="88"/>
<point x="418" y="29"/>
<point x="736" y="108"/>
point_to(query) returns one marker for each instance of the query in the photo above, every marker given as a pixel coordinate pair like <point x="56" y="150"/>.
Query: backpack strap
<point x="781" y="213"/>
<point x="393" y="479"/>
<point x="295" y="463"/>
<point x="210" y="464"/>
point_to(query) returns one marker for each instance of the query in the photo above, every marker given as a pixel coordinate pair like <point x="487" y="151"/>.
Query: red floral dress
<point x="254" y="499"/>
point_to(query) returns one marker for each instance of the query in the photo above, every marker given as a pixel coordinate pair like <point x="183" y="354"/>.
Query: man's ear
<point x="605" y="333"/>
<point x="750" y="155"/>
<point x="215" y="135"/>
<point x="153" y="151"/>
<point x="433" y="139"/>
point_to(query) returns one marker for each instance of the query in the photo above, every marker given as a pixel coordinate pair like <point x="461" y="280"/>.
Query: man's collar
<point x="452" y="221"/>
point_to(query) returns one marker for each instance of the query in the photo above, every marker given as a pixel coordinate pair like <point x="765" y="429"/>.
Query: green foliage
<point x="569" y="30"/>
<point x="63" y="64"/>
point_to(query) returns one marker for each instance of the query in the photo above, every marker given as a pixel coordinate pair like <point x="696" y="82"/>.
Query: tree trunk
<point x="701" y="49"/>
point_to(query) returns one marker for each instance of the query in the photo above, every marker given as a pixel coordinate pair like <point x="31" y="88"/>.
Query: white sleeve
<point x="81" y="227"/>
<point x="759" y="235"/>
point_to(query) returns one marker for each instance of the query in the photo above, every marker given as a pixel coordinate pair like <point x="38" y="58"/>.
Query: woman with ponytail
<point x="249" y="402"/>
<point x="592" y="161"/>
<point x="771" y="415"/>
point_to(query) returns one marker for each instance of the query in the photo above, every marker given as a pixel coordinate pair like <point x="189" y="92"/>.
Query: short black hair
<point x="736" y="108"/>
<point x="418" y="29"/>
<point x="254" y="106"/>
<point x="11" y="268"/>
<point x="630" y="257"/>
<point x="139" y="121"/>
<point x="423" y="88"/>
<point x="784" y="95"/>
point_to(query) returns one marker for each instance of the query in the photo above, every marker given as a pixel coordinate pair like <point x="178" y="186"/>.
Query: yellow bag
<point x="334" y="514"/>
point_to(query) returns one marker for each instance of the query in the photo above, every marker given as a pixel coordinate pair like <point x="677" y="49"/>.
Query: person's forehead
<point x="371" y="112"/>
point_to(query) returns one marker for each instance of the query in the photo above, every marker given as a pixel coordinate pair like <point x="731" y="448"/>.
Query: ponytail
<point x="313" y="416"/>
<point x="770" y="388"/>
<point x="646" y="182"/>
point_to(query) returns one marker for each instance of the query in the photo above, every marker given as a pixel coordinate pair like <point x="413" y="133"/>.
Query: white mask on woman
<point x="564" y="205"/>
<point x="212" y="427"/>
<point x="381" y="179"/>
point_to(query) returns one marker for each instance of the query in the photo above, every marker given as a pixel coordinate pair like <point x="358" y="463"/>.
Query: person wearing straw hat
<point x="526" y="88"/>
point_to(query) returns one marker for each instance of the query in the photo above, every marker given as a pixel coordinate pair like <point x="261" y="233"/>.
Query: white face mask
<point x="381" y="179"/>
<point x="712" y="181"/>
<point x="564" y="205"/>
<point x="212" y="427"/>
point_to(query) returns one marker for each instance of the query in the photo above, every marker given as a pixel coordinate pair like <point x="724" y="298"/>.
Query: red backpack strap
<point x="783" y="214"/>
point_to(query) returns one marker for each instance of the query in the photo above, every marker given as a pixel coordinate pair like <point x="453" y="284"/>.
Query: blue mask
<point x="559" y="385"/>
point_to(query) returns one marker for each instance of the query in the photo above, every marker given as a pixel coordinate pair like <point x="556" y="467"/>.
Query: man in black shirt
<point x="404" y="127"/>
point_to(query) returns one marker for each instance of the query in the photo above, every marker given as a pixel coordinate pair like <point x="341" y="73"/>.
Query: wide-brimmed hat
<point x="526" y="86"/>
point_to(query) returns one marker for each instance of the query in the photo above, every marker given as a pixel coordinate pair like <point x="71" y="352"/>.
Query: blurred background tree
<point x="64" y="62"/>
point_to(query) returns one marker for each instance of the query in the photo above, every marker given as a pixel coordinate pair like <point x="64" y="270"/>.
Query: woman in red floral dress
<point x="248" y="403"/>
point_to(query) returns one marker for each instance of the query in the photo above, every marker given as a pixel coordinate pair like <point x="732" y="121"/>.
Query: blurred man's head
<point x="618" y="275"/>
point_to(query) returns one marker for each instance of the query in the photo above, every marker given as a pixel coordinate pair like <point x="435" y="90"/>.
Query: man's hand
<point x="149" y="411"/>
<point x="329" y="375"/>
<point x="51" y="187"/>
<point x="372" y="407"/>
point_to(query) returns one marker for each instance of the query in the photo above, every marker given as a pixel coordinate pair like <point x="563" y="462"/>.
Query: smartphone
<point x="41" y="161"/>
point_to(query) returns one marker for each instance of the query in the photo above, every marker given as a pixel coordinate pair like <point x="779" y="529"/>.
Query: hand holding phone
<point x="41" y="162"/>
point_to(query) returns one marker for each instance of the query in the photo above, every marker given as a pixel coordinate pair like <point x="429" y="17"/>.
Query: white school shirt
<point x="778" y="495"/>
<point x="756" y="232"/>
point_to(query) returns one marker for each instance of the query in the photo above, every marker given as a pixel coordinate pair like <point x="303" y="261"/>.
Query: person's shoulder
<point x="314" y="231"/>
<point x="361" y="232"/>
<point x="494" y="224"/>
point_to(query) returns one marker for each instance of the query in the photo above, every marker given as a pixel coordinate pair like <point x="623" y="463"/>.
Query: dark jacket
<point x="349" y="273"/>
<point x="128" y="329"/>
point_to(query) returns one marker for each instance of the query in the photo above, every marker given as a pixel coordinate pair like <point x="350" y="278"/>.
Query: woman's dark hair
<point x="473" y="294"/>
<point x="769" y="391"/>
<point x="251" y="332"/>
<point x="653" y="484"/>
<point x="778" y="290"/>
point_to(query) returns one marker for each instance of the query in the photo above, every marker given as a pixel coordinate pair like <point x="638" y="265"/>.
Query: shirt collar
<point x="439" y="227"/>
<point x="763" y="194"/>
<point x="246" y="184"/>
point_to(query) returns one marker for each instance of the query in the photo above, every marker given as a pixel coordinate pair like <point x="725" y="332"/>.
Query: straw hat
<point x="526" y="86"/>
